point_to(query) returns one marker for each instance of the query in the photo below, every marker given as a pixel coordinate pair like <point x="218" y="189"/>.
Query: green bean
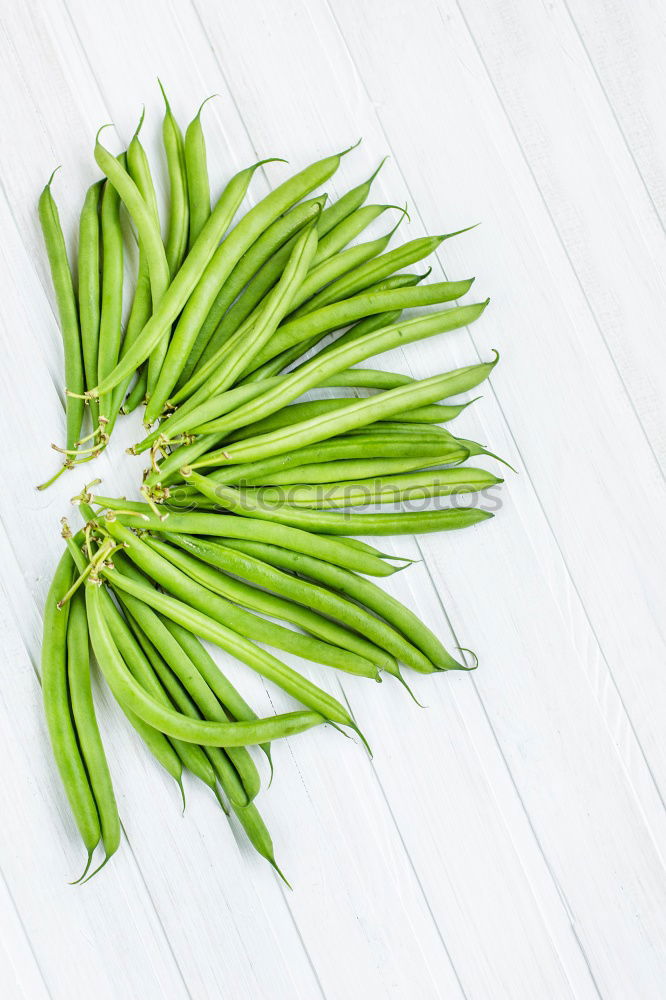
<point x="258" y="835"/>
<point x="89" y="290"/>
<point x="172" y="651"/>
<point x="222" y="263"/>
<point x="110" y="325"/>
<point x="57" y="709"/>
<point x="226" y="314"/>
<point x="313" y="373"/>
<point x="147" y="224"/>
<point x="85" y="723"/>
<point x="63" y="286"/>
<point x="196" y="170"/>
<point x="310" y="595"/>
<point x="211" y="375"/>
<point x="356" y="588"/>
<point x="332" y="550"/>
<point x="142" y="303"/>
<point x="360" y="492"/>
<point x="200" y="596"/>
<point x="367" y="325"/>
<point x="348" y="203"/>
<point x="380" y="267"/>
<point x="270" y="604"/>
<point x="171" y="757"/>
<point x="355" y="445"/>
<point x="316" y="277"/>
<point x="295" y="413"/>
<point x="391" y="333"/>
<point x="268" y="273"/>
<point x="350" y="469"/>
<point x="138" y="392"/>
<point x="246" y="343"/>
<point x="172" y="723"/>
<point x="358" y="413"/>
<point x="345" y="459"/>
<point x="183" y="281"/>
<point x="172" y="138"/>
<point x="287" y="357"/>
<point x="231" y="700"/>
<point x="231" y="398"/>
<point x="168" y="754"/>
<point x="347" y="230"/>
<point x="143" y="215"/>
<point x="338" y="523"/>
<point x="334" y="268"/>
<point x="342" y="313"/>
<point x="217" y="765"/>
<point x="138" y="168"/>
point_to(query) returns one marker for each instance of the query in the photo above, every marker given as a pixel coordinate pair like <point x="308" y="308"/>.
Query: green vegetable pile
<point x="244" y="523"/>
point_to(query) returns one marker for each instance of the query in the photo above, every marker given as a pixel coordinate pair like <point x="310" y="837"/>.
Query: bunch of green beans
<point x="269" y="451"/>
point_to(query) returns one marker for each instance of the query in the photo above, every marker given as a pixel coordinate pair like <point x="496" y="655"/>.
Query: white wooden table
<point x="508" y="841"/>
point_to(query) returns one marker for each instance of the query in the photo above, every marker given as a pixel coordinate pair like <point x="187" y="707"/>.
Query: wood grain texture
<point x="508" y="841"/>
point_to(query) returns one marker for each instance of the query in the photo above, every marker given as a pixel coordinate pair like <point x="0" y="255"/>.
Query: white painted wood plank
<point x="584" y="172"/>
<point x="625" y="44"/>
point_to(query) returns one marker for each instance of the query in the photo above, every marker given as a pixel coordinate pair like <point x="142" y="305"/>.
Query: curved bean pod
<point x="232" y="701"/>
<point x="217" y="765"/>
<point x="341" y="313"/>
<point x="128" y="690"/>
<point x="171" y="755"/>
<point x="347" y="458"/>
<point x="382" y="445"/>
<point x="296" y="413"/>
<point x="199" y="693"/>
<point x="200" y="596"/>
<point x="347" y="230"/>
<point x="287" y="357"/>
<point x="142" y="215"/>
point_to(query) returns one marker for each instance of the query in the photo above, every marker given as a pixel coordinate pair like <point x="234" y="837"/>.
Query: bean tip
<point x="97" y="143"/>
<point x="350" y="148"/>
<point x="47" y="187"/>
<point x="140" y="125"/>
<point x="372" y="176"/>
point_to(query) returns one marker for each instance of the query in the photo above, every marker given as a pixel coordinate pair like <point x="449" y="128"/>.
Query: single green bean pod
<point x="55" y="692"/>
<point x="67" y="312"/>
<point x="196" y="170"/>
